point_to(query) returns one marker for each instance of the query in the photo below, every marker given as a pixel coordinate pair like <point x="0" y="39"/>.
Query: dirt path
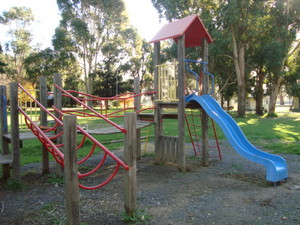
<point x="232" y="191"/>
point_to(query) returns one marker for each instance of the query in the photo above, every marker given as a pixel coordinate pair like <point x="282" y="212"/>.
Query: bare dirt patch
<point x="232" y="191"/>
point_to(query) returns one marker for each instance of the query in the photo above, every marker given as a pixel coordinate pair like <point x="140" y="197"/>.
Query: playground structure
<point x="170" y="94"/>
<point x="51" y="137"/>
<point x="183" y="33"/>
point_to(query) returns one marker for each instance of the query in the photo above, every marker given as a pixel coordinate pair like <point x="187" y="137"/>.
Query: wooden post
<point x="156" y="63"/>
<point x="57" y="95"/>
<point x="137" y="90"/>
<point x="71" y="170"/>
<point x="15" y="137"/>
<point x="130" y="159"/>
<point x="204" y="116"/>
<point x="181" y="103"/>
<point x="3" y="130"/>
<point x="137" y="105"/>
<point x="157" y="116"/>
<point x="158" y="132"/>
<point x="43" y="116"/>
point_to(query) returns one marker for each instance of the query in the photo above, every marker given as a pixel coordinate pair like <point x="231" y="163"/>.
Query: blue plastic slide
<point x="275" y="165"/>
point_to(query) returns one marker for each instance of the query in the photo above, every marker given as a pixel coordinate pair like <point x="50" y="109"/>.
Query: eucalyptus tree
<point x="285" y="23"/>
<point x="293" y="76"/>
<point x="230" y="21"/>
<point x="95" y="32"/>
<point x="2" y="63"/>
<point x="243" y="30"/>
<point x="18" y="19"/>
<point x="46" y="62"/>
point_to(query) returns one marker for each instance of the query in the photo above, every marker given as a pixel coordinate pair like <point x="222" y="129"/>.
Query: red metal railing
<point x="57" y="153"/>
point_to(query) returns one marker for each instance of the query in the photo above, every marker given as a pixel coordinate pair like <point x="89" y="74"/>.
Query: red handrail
<point x="91" y="109"/>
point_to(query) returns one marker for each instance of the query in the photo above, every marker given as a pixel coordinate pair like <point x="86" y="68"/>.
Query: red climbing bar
<point x="98" y="114"/>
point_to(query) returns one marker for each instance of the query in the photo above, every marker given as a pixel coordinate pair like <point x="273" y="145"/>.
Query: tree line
<point x="255" y="47"/>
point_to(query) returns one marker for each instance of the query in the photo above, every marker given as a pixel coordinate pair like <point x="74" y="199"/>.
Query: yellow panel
<point x="167" y="82"/>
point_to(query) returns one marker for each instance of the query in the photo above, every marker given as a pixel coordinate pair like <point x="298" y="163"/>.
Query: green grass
<point x="275" y="134"/>
<point x="278" y="134"/>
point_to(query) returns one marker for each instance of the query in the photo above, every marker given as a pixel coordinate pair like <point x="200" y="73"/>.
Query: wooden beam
<point x="130" y="159"/>
<point x="137" y="90"/>
<point x="71" y="170"/>
<point x="137" y="105"/>
<point x="181" y="103"/>
<point x="157" y="113"/>
<point x="3" y="130"/>
<point x="15" y="137"/>
<point x="57" y="95"/>
<point x="204" y="116"/>
<point x="43" y="115"/>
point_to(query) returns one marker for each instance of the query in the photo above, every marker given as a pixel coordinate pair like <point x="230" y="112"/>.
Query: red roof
<point x="191" y="26"/>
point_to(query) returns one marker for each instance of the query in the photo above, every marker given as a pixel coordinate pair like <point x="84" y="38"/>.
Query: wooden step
<point x="5" y="159"/>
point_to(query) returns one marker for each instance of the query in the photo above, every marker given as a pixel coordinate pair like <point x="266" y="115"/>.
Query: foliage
<point x="249" y="36"/>
<point x="47" y="62"/>
<point x="98" y="34"/>
<point x="55" y="179"/>
<point x="19" y="46"/>
<point x="293" y="76"/>
<point x="52" y="215"/>
<point x="14" y="185"/>
<point x="136" y="217"/>
<point x="2" y="63"/>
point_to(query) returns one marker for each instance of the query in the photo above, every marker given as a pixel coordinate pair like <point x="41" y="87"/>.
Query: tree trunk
<point x="274" y="93"/>
<point x="239" y="64"/>
<point x="260" y="93"/>
<point x="222" y="100"/>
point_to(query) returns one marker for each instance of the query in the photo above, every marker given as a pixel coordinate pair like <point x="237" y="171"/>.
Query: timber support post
<point x="43" y="116"/>
<point x="3" y="130"/>
<point x="15" y="133"/>
<point x="57" y="95"/>
<point x="71" y="170"/>
<point x="181" y="103"/>
<point x="137" y="107"/>
<point x="158" y="128"/>
<point x="130" y="151"/>
<point x="204" y="116"/>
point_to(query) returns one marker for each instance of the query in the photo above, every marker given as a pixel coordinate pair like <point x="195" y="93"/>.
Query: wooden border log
<point x="71" y="170"/>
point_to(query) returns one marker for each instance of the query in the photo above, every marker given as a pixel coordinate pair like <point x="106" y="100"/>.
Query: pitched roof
<point x="191" y="26"/>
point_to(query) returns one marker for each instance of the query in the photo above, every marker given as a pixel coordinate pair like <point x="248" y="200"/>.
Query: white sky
<point x="142" y="15"/>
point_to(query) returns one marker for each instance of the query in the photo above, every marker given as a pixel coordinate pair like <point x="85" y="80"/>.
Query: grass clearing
<point x="277" y="134"/>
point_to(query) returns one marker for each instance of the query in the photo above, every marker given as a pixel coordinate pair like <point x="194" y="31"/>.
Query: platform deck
<point x="113" y="130"/>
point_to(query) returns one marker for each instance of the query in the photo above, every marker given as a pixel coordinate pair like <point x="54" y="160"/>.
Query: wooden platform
<point x="150" y="116"/>
<point x="5" y="159"/>
<point x="24" y="136"/>
<point x="113" y="130"/>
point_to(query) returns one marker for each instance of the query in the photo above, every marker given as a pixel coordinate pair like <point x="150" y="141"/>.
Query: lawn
<point x="278" y="135"/>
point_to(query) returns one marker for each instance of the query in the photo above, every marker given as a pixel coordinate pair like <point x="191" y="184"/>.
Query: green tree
<point x="293" y="78"/>
<point x="18" y="47"/>
<point x="2" y="63"/>
<point x="47" y="62"/>
<point x="243" y="30"/>
<point x="85" y="28"/>
<point x="285" y="21"/>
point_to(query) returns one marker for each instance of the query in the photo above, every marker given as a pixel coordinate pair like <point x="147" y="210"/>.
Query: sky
<point x="142" y="15"/>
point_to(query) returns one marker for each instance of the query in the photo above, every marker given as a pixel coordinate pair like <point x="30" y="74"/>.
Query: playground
<point x="166" y="184"/>
<point x="231" y="191"/>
